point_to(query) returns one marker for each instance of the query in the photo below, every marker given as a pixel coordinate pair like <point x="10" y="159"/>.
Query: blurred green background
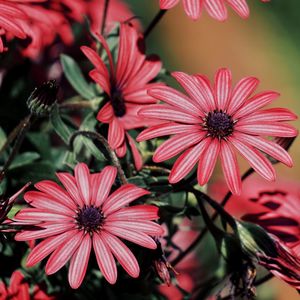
<point x="267" y="46"/>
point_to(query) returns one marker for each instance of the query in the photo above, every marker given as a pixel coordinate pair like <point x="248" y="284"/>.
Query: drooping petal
<point x="63" y="254"/>
<point x="230" y="168"/>
<point x="116" y="133"/>
<point x="208" y="161"/>
<point x="257" y="161"/>
<point x="177" y="144"/>
<point x="186" y="162"/>
<point x="79" y="262"/>
<point x="122" y="253"/>
<point x="137" y="157"/>
<point x="105" y="260"/>
<point x="82" y="175"/>
<point x="243" y="89"/>
<point x="106" y="113"/>
<point x="121" y="197"/>
<point x="101" y="79"/>
<point x="223" y="79"/>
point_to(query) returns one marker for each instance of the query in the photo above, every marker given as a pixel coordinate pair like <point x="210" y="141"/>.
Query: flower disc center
<point x="219" y="124"/>
<point x="90" y="218"/>
<point x="117" y="102"/>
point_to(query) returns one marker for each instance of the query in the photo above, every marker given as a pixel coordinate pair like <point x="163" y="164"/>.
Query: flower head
<point x="215" y="8"/>
<point x="84" y="216"/>
<point x="213" y="121"/>
<point x="126" y="87"/>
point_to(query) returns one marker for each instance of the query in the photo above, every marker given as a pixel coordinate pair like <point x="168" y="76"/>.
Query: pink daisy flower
<point x="126" y="87"/>
<point x="84" y="216"/>
<point x="213" y="121"/>
<point x="215" y="8"/>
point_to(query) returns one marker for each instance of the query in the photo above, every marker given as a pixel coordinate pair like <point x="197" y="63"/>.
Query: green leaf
<point x="59" y="126"/>
<point x="24" y="159"/>
<point x="41" y="141"/>
<point x="75" y="77"/>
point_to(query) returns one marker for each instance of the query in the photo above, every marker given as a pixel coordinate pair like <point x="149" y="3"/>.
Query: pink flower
<point x="126" y="87"/>
<point x="82" y="216"/>
<point x="215" y="8"/>
<point x="213" y="121"/>
<point x="19" y="289"/>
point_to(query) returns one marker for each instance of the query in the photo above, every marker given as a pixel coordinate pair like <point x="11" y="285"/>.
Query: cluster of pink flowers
<point x="208" y="120"/>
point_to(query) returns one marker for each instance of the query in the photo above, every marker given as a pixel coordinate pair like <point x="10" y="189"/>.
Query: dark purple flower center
<point x="218" y="124"/>
<point x="90" y="218"/>
<point x="117" y="102"/>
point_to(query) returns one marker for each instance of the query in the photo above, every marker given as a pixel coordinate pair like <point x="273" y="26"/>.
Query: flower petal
<point x="186" y="161"/>
<point x="121" y="197"/>
<point x="192" y="8"/>
<point x="79" y="262"/>
<point x="63" y="253"/>
<point x="177" y="144"/>
<point x="105" y="260"/>
<point x="137" y="157"/>
<point x="82" y="175"/>
<point x="122" y="253"/>
<point x="223" y="80"/>
<point x="116" y="133"/>
<point x="167" y="4"/>
<point x="216" y="9"/>
<point x="240" y="6"/>
<point x="230" y="168"/>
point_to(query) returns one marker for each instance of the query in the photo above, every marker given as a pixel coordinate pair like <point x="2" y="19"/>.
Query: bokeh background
<point x="267" y="46"/>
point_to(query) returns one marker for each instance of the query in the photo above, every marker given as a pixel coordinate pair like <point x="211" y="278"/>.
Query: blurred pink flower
<point x="215" y="8"/>
<point x="126" y="86"/>
<point x="19" y="290"/>
<point x="212" y="121"/>
<point x="82" y="216"/>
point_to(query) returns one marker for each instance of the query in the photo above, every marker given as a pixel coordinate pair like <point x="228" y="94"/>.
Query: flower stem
<point x="113" y="157"/>
<point x="104" y="17"/>
<point x="19" y="134"/>
<point x="201" y="235"/>
<point x="154" y="22"/>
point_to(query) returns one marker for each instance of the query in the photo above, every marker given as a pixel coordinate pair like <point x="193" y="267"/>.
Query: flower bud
<point x="43" y="98"/>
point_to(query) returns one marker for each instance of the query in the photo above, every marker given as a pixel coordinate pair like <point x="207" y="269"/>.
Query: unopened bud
<point x="43" y="98"/>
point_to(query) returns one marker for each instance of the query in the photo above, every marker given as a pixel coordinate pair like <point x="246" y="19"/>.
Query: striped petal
<point x="208" y="161"/>
<point x="240" y="7"/>
<point x="105" y="260"/>
<point x="166" y="112"/>
<point x="243" y="89"/>
<point x="116" y="133"/>
<point x="166" y="129"/>
<point x="257" y="161"/>
<point x="230" y="168"/>
<point x="216" y="9"/>
<point x="121" y="197"/>
<point x="223" y="80"/>
<point x="177" y="144"/>
<point x="79" y="262"/>
<point x="63" y="254"/>
<point x="137" y="157"/>
<point x="186" y="162"/>
<point x="82" y="176"/>
<point x="122" y="254"/>
<point x="192" y="8"/>
<point x="167" y="4"/>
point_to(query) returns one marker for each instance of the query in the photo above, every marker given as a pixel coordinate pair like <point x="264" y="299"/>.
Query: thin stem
<point x="113" y="157"/>
<point x="13" y="135"/>
<point x="104" y="17"/>
<point x="23" y="128"/>
<point x="154" y="22"/>
<point x="201" y="235"/>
